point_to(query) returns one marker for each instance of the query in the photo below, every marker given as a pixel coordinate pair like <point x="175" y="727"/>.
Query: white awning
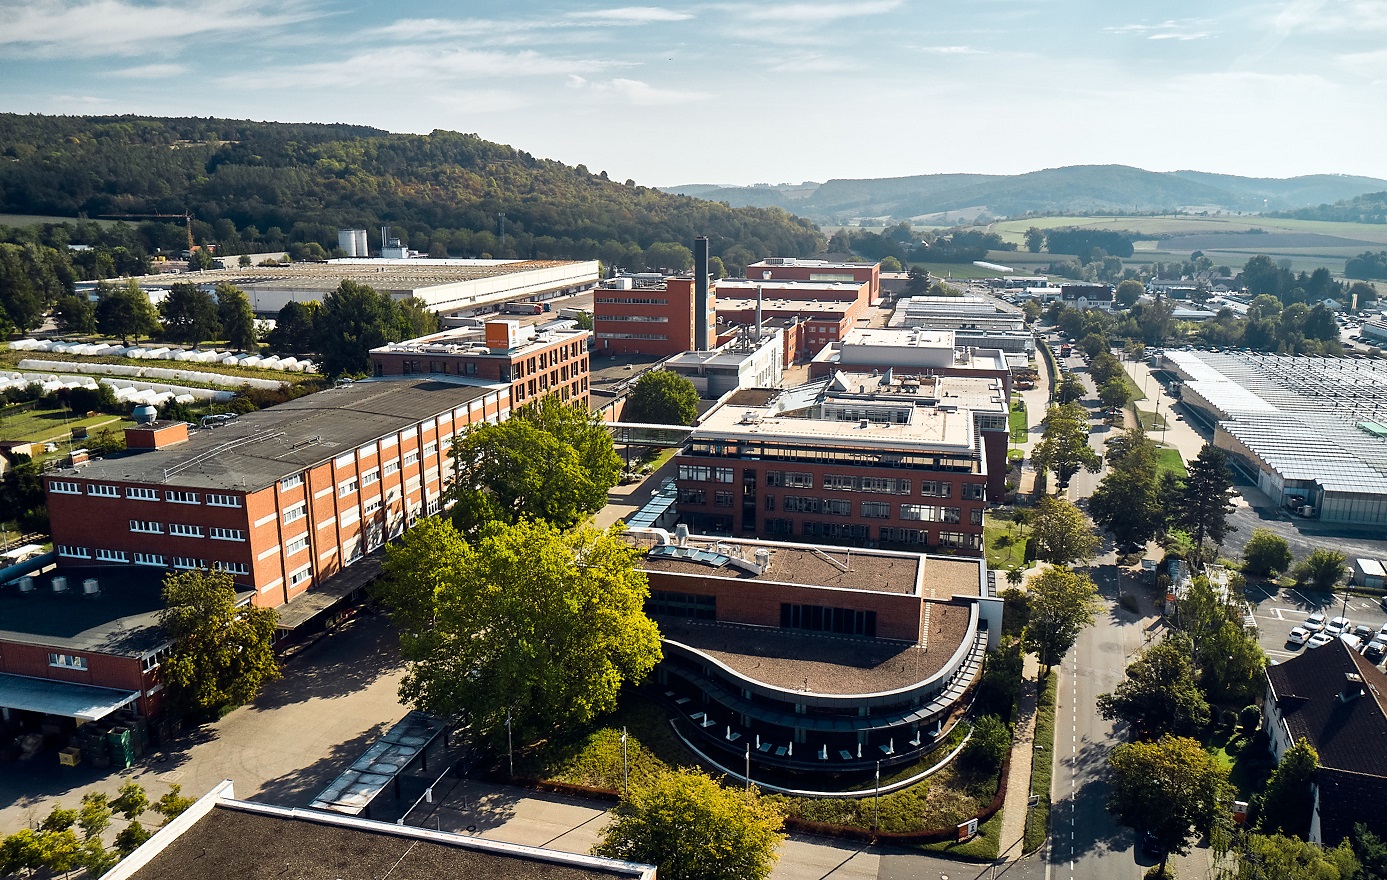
<point x="81" y="701"/>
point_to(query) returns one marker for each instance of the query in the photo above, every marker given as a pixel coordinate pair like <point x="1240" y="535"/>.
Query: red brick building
<point x="534" y="361"/>
<point x="283" y="498"/>
<point x="650" y="314"/>
<point x="860" y="459"/>
<point x="794" y="269"/>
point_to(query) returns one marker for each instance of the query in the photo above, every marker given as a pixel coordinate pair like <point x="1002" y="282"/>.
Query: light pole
<point x="510" y="746"/>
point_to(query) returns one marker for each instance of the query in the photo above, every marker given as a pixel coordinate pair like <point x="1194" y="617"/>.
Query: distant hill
<point x="1069" y="190"/>
<point x="1367" y="208"/>
<point x="254" y="186"/>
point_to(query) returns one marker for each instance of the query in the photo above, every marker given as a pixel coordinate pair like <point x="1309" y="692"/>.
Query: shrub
<point x="989" y="745"/>
<point x="1250" y="717"/>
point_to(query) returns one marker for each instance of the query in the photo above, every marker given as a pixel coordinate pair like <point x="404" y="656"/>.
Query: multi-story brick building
<point x="818" y="660"/>
<point x="820" y="313"/>
<point x="534" y="361"/>
<point x="283" y="498"/>
<point x="793" y="269"/>
<point x="864" y="459"/>
<point x="910" y="352"/>
<point x="651" y="314"/>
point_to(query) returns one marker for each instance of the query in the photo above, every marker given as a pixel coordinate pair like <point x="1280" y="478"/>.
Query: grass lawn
<point x="984" y="847"/>
<point x="1005" y="547"/>
<point x="1042" y="766"/>
<point x="659" y="459"/>
<point x="956" y="270"/>
<point x="48" y="425"/>
<point x="1150" y="421"/>
<point x="1134" y="391"/>
<point x="945" y="799"/>
<point x="1169" y="459"/>
<point x="1249" y="767"/>
<point x="1020" y="425"/>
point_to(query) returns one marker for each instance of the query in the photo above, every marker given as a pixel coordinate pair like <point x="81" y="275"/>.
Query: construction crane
<point x="186" y="217"/>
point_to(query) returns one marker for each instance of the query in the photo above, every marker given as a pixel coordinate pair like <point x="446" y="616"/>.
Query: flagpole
<point x="510" y="745"/>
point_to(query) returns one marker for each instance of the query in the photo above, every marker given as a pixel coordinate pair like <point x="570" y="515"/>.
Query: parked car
<point x="1319" y="639"/>
<point x="1299" y="636"/>
<point x="1314" y="623"/>
<point x="1352" y="641"/>
<point x="1338" y="625"/>
<point x="1364" y="632"/>
<point x="1375" y="650"/>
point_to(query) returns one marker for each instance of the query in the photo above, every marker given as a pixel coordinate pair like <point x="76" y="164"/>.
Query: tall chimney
<point x="758" y="313"/>
<point x="700" y="254"/>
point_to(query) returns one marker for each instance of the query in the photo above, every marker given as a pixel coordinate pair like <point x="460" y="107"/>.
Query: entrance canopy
<point x="81" y="701"/>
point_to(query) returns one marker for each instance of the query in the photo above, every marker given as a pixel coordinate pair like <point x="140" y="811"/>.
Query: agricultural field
<point x="35" y="219"/>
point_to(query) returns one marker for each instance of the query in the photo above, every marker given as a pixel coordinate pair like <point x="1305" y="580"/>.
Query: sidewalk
<point x="1015" y="806"/>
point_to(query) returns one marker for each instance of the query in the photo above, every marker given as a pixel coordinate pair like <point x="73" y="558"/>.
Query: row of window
<point x="780" y="527"/>
<point x="776" y="451"/>
<point x="629" y="301"/>
<point x="156" y="559"/>
<point x="881" y="485"/>
<point x="139" y="493"/>
<point x="184" y="530"/>
<point x="703" y="474"/>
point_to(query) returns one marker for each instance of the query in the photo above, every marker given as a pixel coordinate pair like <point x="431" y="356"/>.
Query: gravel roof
<point x="874" y="570"/>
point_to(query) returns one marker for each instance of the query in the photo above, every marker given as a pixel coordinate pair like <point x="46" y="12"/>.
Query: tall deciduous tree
<point x="1128" y="502"/>
<point x="528" y="622"/>
<point x="190" y="314"/>
<point x="222" y="654"/>
<point x="75" y="314"/>
<point x="549" y="461"/>
<point x="1278" y="857"/>
<point x="1063" y="447"/>
<point x="1061" y="532"/>
<point x="1171" y="788"/>
<point x="662" y="397"/>
<point x="414" y="318"/>
<point x="1035" y="239"/>
<point x="353" y="320"/>
<point x="691" y="828"/>
<point x="1114" y="393"/>
<point x="296" y="328"/>
<point x="1159" y="695"/>
<point x="236" y="317"/>
<point x="126" y="312"/>
<point x="1322" y="569"/>
<point x="1206" y="498"/>
<point x="1289" y="797"/>
<point x="1062" y="603"/>
<point x="1128" y="292"/>
<point x="1070" y="390"/>
<point x="1266" y="554"/>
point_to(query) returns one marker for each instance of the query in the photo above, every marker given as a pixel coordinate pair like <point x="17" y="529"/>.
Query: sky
<point x="741" y="93"/>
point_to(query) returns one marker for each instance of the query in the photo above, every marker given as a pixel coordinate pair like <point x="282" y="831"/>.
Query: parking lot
<point x="1276" y="611"/>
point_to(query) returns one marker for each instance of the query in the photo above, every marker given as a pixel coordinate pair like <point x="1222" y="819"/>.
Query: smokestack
<point x="758" y="313"/>
<point x="700" y="253"/>
<point x="384" y="239"/>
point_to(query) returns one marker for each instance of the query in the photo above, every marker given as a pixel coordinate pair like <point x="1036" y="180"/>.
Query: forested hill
<point x="1068" y="190"/>
<point x="259" y="186"/>
<point x="1367" y="208"/>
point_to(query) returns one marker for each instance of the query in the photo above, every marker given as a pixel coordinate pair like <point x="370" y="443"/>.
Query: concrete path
<point x="1015" y="806"/>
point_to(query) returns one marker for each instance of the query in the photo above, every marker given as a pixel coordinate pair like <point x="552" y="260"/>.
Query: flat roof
<point x="823" y="663"/>
<point x="782" y="262"/>
<point x="796" y="306"/>
<point x="472" y="341"/>
<point x="262" y="447"/>
<point x="122" y="620"/>
<point x="63" y="698"/>
<point x="390" y="276"/>
<point x="900" y="337"/>
<point x="747" y="286"/>
<point x="237" y="839"/>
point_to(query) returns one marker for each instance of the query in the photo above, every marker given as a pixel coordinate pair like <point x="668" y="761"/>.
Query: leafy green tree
<point x="1035" y="239"/>
<point x="1371" y="852"/>
<point x="1129" y="500"/>
<point x="662" y="397"/>
<point x="1322" y="569"/>
<point x="1278" y="857"/>
<point x="891" y="264"/>
<point x="1230" y="661"/>
<point x="131" y="801"/>
<point x="1206" y="498"/>
<point x="585" y="321"/>
<point x="126" y="312"/>
<point x="1266" y="554"/>
<point x="1159" y="695"/>
<point x="74" y="314"/>
<point x="669" y="256"/>
<point x="1062" y="533"/>
<point x="1171" y="788"/>
<point x="1063" y="447"/>
<point x="1128" y="292"/>
<point x="1114" y="393"/>
<point x="548" y="461"/>
<point x="1289" y="798"/>
<point x="353" y="320"/>
<point x="130" y="838"/>
<point x="691" y="828"/>
<point x="1062" y="603"/>
<point x="989" y="745"/>
<point x="222" y="654"/>
<point x="415" y="319"/>
<point x="22" y="851"/>
<point x="190" y="314"/>
<point x="1070" y="390"/>
<point x="296" y="328"/>
<point x="94" y="817"/>
<point x="235" y="316"/>
<point x="172" y="804"/>
<point x="527" y="622"/>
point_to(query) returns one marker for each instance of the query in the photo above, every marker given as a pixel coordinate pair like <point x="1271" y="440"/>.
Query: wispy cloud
<point x="637" y="92"/>
<point x="816" y="13"/>
<point x="1171" y="29"/>
<point x="813" y="64"/>
<point x="151" y="71"/>
<point x="57" y="28"/>
<point x="629" y="15"/>
<point x="951" y="50"/>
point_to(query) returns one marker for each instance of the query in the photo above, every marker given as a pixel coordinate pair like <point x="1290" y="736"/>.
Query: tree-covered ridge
<point x="1367" y="208"/>
<point x="261" y="186"/>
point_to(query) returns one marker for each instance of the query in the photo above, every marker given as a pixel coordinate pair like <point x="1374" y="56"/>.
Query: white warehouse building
<point x="1311" y="432"/>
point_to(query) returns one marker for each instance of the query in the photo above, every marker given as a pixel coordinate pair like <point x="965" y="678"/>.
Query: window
<point x="67" y="661"/>
<point x="722" y="499"/>
<point x="921" y="512"/>
<point x="300" y="576"/>
<point x="975" y="516"/>
<point x="950" y="515"/>
<point x="835" y="530"/>
<point x="801" y="504"/>
<point x="790" y="479"/>
<point x="959" y="539"/>
<point x="974" y="491"/>
<point x="63" y="487"/>
<point x="188" y="562"/>
<point x="291" y="482"/>
<point x="228" y="534"/>
<point x="392" y="467"/>
<point x="223" y="500"/>
<point x="149" y="559"/>
<point x="890" y="485"/>
<point x="876" y="510"/>
<point x="139" y="494"/>
<point x="411" y="457"/>
<point x="297" y="512"/>
<point x="151" y="528"/>
<point x="296" y="545"/>
<point x="838" y="506"/>
<point x="692" y="496"/>
<point x="371" y="477"/>
<point x="372" y="506"/>
<point x="181" y="497"/>
<point x="103" y="491"/>
<point x="818" y="618"/>
<point x="688" y="605"/>
<point x="185" y="531"/>
<point x="232" y="567"/>
<point x="722" y="475"/>
<point x="779" y="526"/>
<point x="112" y="556"/>
<point x="700" y="473"/>
<point x="904" y="536"/>
<point x="74" y="552"/>
<point x="345" y="488"/>
<point x="430" y="449"/>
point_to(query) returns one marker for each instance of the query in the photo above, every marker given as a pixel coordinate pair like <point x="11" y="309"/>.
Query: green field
<point x="1020" y="426"/>
<point x="959" y="270"/>
<point x="33" y="219"/>
<point x="1005" y="548"/>
<point x="49" y="426"/>
<point x="1169" y="459"/>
